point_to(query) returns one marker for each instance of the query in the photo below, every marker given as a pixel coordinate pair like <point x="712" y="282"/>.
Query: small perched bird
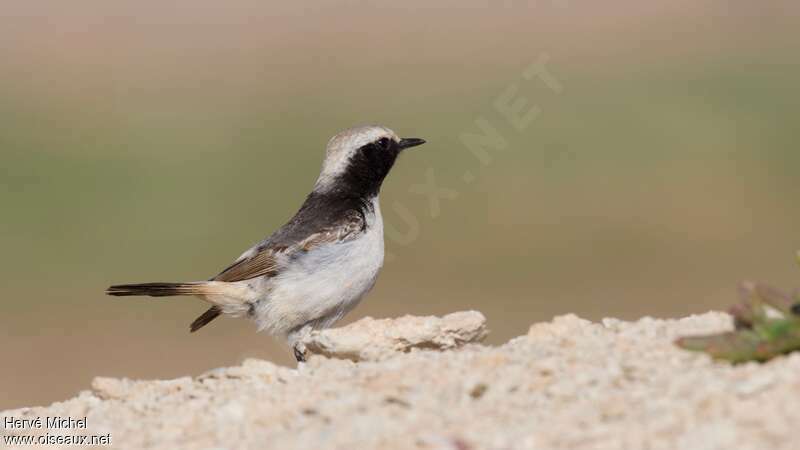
<point x="317" y="267"/>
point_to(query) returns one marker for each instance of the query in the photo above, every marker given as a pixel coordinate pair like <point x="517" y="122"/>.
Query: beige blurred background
<point x="155" y="141"/>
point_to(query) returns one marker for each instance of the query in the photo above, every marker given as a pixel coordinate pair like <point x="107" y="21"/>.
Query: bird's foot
<point x="299" y="352"/>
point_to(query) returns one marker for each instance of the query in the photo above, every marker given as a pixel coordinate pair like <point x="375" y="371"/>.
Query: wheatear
<point x="317" y="267"/>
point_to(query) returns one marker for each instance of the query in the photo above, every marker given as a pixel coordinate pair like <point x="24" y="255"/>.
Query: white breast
<point x="322" y="286"/>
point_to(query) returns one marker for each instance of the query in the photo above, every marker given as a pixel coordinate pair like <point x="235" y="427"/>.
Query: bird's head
<point x="358" y="159"/>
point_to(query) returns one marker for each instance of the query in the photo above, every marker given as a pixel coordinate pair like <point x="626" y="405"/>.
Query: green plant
<point x="766" y="324"/>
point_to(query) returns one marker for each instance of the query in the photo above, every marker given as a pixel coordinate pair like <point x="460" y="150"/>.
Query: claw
<point x="299" y="355"/>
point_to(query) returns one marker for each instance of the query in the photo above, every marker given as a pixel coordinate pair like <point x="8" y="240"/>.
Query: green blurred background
<point x="153" y="141"/>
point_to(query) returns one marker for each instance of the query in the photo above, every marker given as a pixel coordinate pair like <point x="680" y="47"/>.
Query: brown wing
<point x="263" y="262"/>
<point x="346" y="230"/>
<point x="264" y="259"/>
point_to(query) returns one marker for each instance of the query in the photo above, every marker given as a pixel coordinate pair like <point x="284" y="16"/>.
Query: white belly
<point x="323" y="285"/>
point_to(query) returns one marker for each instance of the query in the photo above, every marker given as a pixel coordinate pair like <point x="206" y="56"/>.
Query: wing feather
<point x="264" y="260"/>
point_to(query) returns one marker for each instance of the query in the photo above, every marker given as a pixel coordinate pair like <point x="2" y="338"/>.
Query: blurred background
<point x="152" y="141"/>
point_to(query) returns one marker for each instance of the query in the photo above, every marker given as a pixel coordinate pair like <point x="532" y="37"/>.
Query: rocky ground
<point x="423" y="383"/>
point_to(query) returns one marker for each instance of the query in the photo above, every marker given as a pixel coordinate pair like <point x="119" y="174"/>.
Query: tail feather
<point x="200" y="288"/>
<point x="211" y="314"/>
<point x="157" y="289"/>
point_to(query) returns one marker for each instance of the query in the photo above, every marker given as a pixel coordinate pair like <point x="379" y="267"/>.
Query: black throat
<point x="352" y="190"/>
<point x="366" y="170"/>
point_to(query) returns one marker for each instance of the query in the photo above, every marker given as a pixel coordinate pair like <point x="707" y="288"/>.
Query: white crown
<point x="342" y="146"/>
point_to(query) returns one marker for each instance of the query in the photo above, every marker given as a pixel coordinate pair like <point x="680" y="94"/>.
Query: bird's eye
<point x="384" y="142"/>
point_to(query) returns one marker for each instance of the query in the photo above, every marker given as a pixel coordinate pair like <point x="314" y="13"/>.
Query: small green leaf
<point x="758" y="336"/>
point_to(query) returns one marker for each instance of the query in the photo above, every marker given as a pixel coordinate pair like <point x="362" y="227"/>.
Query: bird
<point x="317" y="267"/>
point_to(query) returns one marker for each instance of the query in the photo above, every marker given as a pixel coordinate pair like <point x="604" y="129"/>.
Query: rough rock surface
<point x="567" y="384"/>
<point x="374" y="340"/>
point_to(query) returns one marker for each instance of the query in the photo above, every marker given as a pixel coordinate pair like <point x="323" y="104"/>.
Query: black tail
<point x="156" y="289"/>
<point x="169" y="289"/>
<point x="206" y="317"/>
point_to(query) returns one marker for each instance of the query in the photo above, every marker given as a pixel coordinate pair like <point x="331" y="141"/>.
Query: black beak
<point x="410" y="142"/>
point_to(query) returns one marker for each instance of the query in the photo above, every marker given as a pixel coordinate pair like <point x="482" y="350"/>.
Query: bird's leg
<point x="295" y="338"/>
<point x="299" y="352"/>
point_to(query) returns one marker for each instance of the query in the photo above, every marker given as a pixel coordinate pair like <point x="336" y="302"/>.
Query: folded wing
<point x="265" y="259"/>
